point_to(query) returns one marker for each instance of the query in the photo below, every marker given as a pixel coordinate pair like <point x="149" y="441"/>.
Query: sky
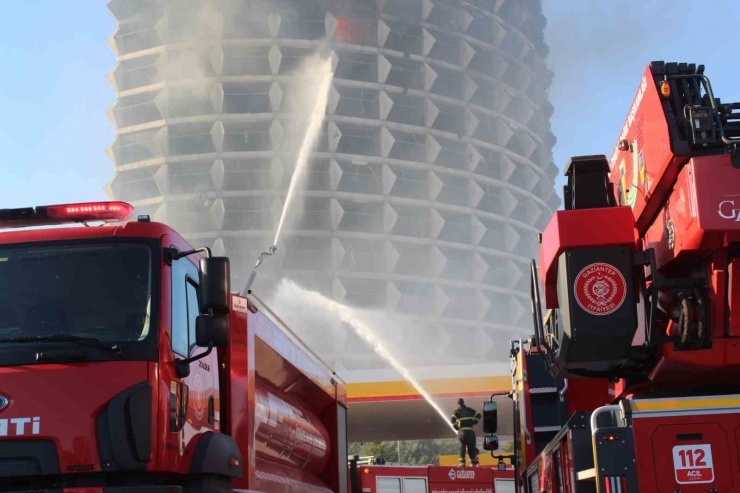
<point x="54" y="92"/>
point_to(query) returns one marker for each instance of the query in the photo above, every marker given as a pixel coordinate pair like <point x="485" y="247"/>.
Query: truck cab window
<point x="183" y="290"/>
<point x="191" y="291"/>
<point x="100" y="291"/>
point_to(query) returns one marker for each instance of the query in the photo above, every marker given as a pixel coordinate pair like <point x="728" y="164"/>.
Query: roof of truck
<point x="129" y="229"/>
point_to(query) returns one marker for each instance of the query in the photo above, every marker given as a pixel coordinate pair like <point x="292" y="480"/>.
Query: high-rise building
<point x="433" y="174"/>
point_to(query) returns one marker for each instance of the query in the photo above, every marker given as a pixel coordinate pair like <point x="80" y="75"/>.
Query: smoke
<point x="192" y="72"/>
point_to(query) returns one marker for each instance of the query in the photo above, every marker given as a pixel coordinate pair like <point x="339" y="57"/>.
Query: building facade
<point x="432" y="178"/>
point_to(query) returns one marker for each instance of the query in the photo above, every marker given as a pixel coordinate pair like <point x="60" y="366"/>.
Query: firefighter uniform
<point x="463" y="420"/>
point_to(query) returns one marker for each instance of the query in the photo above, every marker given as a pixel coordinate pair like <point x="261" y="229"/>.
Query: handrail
<point x="537" y="315"/>
<point x="524" y="407"/>
<point x="712" y="103"/>
<point x="597" y="412"/>
<point x="562" y="392"/>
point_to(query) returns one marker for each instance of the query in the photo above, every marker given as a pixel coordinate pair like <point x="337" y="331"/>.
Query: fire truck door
<point x="197" y="393"/>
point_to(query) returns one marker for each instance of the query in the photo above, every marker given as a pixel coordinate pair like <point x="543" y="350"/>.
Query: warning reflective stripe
<point x="468" y="417"/>
<point x="727" y="402"/>
<point x="615" y="484"/>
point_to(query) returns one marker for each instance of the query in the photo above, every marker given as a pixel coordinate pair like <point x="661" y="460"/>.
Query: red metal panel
<point x="611" y="226"/>
<point x="586" y="393"/>
<point x="370" y="474"/>
<point x="130" y="229"/>
<point x="660" y="442"/>
<point x="734" y="297"/>
<point x="292" y="353"/>
<point x="276" y="424"/>
<point x="175" y="450"/>
<point x="461" y="488"/>
<point x="645" y="175"/>
<point x="458" y="475"/>
<point x="239" y="382"/>
<point x="525" y="413"/>
<point x="67" y="414"/>
<point x="720" y="365"/>
<point x="703" y="207"/>
<point x="569" y="474"/>
<point x="84" y="490"/>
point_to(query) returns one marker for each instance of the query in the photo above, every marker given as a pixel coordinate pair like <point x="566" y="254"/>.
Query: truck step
<point x="546" y="429"/>
<point x="543" y="390"/>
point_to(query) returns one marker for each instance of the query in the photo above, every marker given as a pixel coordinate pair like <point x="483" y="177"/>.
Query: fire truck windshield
<point x="98" y="291"/>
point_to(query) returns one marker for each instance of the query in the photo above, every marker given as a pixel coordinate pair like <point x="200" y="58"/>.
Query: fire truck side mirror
<point x="490" y="417"/>
<point x="490" y="443"/>
<point x="215" y="284"/>
<point x="213" y="330"/>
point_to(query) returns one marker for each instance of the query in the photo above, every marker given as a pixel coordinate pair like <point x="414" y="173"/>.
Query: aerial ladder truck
<point x="631" y="381"/>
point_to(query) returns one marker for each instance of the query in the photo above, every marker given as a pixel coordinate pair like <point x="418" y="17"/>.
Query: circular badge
<point x="600" y="289"/>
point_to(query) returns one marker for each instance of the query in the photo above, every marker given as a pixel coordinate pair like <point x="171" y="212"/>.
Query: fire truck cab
<point x="128" y="366"/>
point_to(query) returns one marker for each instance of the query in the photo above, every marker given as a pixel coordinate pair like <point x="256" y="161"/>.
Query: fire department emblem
<point x="600" y="289"/>
<point x="199" y="397"/>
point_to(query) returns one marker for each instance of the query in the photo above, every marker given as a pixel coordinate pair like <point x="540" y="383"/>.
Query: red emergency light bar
<point x="65" y="213"/>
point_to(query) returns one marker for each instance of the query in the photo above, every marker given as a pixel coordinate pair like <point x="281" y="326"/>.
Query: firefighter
<point x="463" y="420"/>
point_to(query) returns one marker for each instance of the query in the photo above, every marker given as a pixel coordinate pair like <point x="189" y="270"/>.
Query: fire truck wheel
<point x="210" y="483"/>
<point x="216" y="454"/>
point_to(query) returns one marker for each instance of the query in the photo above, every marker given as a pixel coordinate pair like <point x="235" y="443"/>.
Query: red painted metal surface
<point x="175" y="449"/>
<point x="282" y="408"/>
<point x="686" y="208"/>
<point x="586" y="393"/>
<point x="702" y="210"/>
<point x="290" y="446"/>
<point x="644" y="187"/>
<point x="525" y="431"/>
<point x="440" y="479"/>
<point x="369" y="475"/>
<point x="67" y="413"/>
<point x="83" y="490"/>
<point x="656" y="438"/>
<point x="579" y="229"/>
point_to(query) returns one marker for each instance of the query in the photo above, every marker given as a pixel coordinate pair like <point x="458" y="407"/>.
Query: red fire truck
<point x="435" y="479"/>
<point x="631" y="382"/>
<point x="127" y="365"/>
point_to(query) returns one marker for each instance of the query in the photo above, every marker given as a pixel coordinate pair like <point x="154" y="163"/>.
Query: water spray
<point x="323" y="85"/>
<point x="321" y="74"/>
<point x="363" y="330"/>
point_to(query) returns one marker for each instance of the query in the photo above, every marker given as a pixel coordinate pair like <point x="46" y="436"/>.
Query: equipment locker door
<point x="414" y="485"/>
<point x="388" y="485"/>
<point x="503" y="486"/>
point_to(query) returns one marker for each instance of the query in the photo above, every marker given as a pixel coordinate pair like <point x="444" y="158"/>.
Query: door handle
<point x="211" y="410"/>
